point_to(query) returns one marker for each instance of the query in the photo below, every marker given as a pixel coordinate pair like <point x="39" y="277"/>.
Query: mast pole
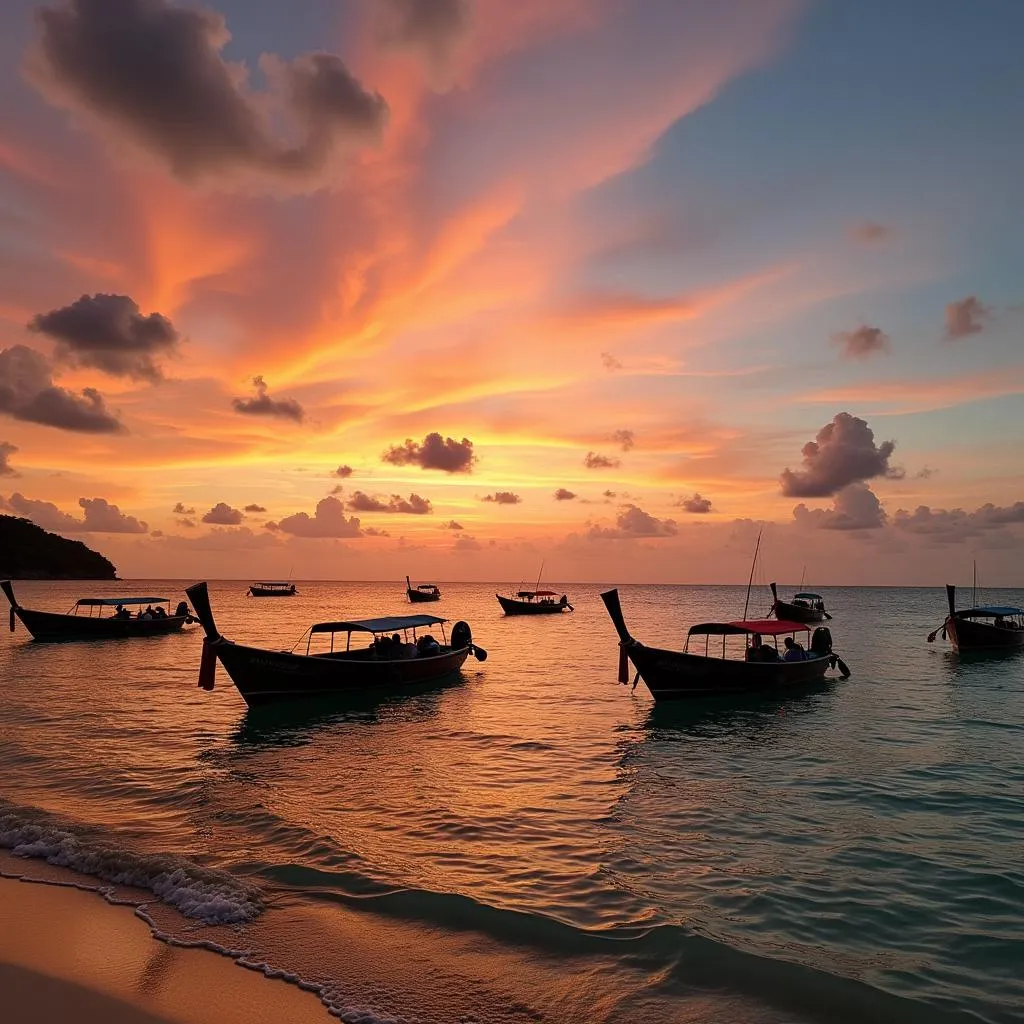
<point x="750" y="582"/>
<point x="974" y="590"/>
<point x="536" y="586"/>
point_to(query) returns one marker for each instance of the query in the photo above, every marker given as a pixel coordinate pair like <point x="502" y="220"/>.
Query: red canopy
<point x="545" y="593"/>
<point x="770" y="627"/>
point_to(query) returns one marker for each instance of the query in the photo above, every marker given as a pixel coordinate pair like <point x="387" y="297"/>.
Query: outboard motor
<point x="462" y="636"/>
<point x="821" y="641"/>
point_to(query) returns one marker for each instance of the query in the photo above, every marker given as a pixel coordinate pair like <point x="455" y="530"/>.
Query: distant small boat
<point x="422" y="592"/>
<point x="534" y="602"/>
<point x="121" y="625"/>
<point x="986" y="628"/>
<point x="263" y="676"/>
<point x="272" y="590"/>
<point x="805" y="607"/>
<point x="673" y="675"/>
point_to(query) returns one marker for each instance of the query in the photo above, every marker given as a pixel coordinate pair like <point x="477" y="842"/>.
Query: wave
<point x="202" y="894"/>
<point x="681" y="956"/>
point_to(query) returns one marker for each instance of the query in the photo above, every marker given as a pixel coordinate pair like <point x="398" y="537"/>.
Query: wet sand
<point x="68" y="955"/>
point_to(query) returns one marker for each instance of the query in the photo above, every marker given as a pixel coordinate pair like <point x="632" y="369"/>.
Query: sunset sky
<point x="358" y="288"/>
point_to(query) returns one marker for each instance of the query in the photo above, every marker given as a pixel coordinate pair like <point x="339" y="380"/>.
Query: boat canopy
<point x="764" y="627"/>
<point x="989" y="612"/>
<point x="426" y="586"/>
<point x="808" y="597"/>
<point x="271" y="583"/>
<point x="386" y="624"/>
<point x="536" y="593"/>
<point x="93" y="602"/>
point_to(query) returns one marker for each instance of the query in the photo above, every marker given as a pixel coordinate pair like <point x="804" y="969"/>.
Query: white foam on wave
<point x="202" y="894"/>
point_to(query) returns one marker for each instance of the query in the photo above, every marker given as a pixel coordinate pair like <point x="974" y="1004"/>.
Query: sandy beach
<point x="66" y="954"/>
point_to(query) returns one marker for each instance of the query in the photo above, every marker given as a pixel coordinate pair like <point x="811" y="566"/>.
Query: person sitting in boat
<point x="428" y="646"/>
<point x="755" y="649"/>
<point x="794" y="652"/>
<point x="120" y="612"/>
<point x="148" y="613"/>
<point x="182" y="610"/>
<point x="159" y="613"/>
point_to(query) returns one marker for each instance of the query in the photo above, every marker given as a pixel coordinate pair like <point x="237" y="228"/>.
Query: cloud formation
<point x="99" y="516"/>
<point x="27" y="392"/>
<point x="102" y="517"/>
<point x="415" y="506"/>
<point x="953" y="526"/>
<point x="594" y="460"/>
<point x="6" y="451"/>
<point x="436" y="452"/>
<point x="862" y="343"/>
<point x="633" y="522"/>
<point x="254" y="508"/>
<point x="870" y="231"/>
<point x="966" y="317"/>
<point x="843" y="453"/>
<point x="502" y="498"/>
<point x="433" y="28"/>
<point x="154" y="73"/>
<point x="108" y="333"/>
<point x="697" y="505"/>
<point x="180" y="510"/>
<point x="261" y="404"/>
<point x="452" y="525"/>
<point x="222" y="514"/>
<point x="327" y="521"/>
<point x="625" y="439"/>
<point x="855" y="507"/>
<point x="344" y="472"/>
<point x="610" y="363"/>
<point x="562" y="494"/>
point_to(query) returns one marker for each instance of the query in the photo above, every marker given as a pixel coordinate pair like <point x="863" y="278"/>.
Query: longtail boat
<point x="270" y="589"/>
<point x="263" y="676"/>
<point x="985" y="628"/>
<point x="672" y="675"/>
<point x="804" y="607"/>
<point x="85" y="619"/>
<point x="422" y="592"/>
<point x="534" y="602"/>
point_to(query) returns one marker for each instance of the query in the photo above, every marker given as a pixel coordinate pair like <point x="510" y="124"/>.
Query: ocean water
<point x="535" y="842"/>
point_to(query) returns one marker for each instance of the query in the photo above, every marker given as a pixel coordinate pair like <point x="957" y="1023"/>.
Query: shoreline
<point x="66" y="953"/>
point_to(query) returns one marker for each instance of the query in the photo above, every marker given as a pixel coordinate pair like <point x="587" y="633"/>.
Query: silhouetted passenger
<point x="794" y="652"/>
<point x="182" y="609"/>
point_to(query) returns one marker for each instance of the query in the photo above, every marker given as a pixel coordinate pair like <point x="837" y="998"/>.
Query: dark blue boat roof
<point x="811" y="597"/>
<point x="87" y="602"/>
<point x="385" y="624"/>
<point x="987" y="611"/>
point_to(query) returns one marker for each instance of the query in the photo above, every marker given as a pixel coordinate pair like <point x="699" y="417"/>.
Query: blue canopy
<point x="92" y="602"/>
<point x="386" y="624"/>
<point x="991" y="610"/>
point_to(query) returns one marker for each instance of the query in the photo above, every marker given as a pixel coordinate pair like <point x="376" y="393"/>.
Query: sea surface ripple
<point x="534" y="841"/>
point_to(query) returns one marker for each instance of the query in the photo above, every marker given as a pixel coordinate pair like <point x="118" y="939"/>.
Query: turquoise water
<point x="536" y="842"/>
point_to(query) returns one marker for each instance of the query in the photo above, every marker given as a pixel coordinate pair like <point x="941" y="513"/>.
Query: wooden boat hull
<point x="265" y="677"/>
<point x="418" y="597"/>
<point x="50" y="626"/>
<point x="510" y="606"/>
<point x="263" y="592"/>
<point x="969" y="635"/>
<point x="675" y="675"/>
<point x="797" y="613"/>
